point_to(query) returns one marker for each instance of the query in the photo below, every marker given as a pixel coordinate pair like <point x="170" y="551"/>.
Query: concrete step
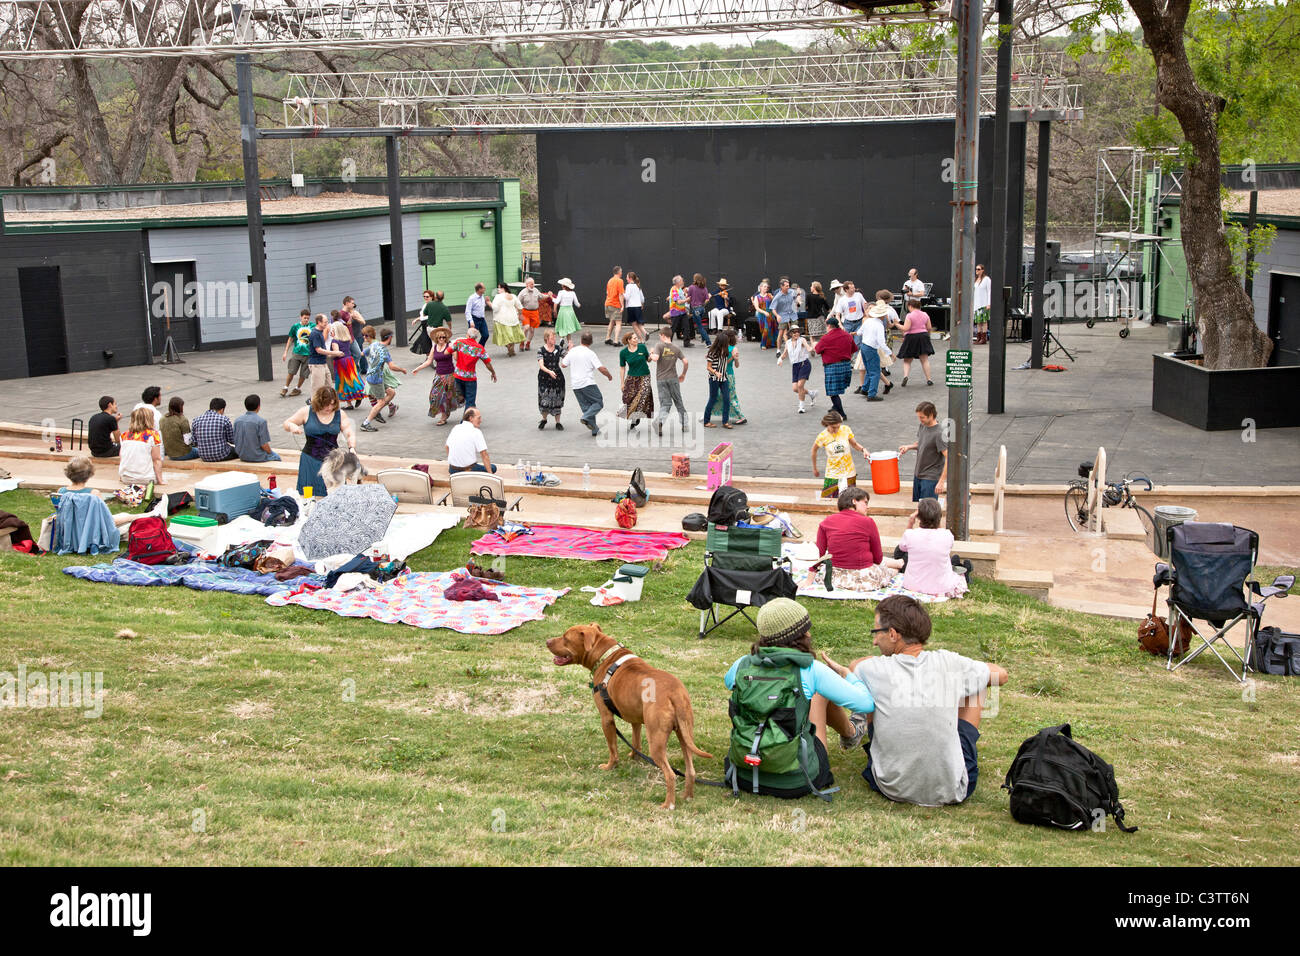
<point x="1035" y="583"/>
<point x="1124" y="524"/>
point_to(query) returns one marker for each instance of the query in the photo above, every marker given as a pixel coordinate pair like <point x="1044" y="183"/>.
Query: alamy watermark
<point x="33" y="690"/>
<point x="214" y="299"/>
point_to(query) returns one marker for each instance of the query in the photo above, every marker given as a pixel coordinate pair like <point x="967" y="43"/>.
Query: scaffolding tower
<point x="1132" y="185"/>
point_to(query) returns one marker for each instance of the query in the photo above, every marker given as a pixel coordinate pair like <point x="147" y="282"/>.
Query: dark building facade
<point x="861" y="202"/>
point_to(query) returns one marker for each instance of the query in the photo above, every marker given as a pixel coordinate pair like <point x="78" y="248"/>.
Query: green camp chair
<point x="743" y="568"/>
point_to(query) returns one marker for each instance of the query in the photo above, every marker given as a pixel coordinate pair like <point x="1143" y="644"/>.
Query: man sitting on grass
<point x="921" y="741"/>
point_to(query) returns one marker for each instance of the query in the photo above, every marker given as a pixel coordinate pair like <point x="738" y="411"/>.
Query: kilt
<point x="838" y="376"/>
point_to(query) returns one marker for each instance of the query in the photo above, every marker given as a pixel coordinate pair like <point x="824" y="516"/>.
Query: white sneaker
<point x="160" y="509"/>
<point x="812" y="396"/>
<point x="801" y="408"/>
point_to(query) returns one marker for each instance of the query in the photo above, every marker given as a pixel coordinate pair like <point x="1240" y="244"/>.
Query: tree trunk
<point x="1225" y="315"/>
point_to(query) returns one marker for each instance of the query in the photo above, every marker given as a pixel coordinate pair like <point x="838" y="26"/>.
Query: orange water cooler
<point x="884" y="472"/>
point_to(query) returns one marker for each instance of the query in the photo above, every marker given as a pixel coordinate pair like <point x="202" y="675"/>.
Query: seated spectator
<point x="929" y="568"/>
<point x="101" y="430"/>
<point x="252" y="436"/>
<point x="785" y="624"/>
<point x="852" y="540"/>
<point x="351" y="517"/>
<point x="176" y="432"/>
<point x="82" y="522"/>
<point x="466" y="445"/>
<point x="921" y="742"/>
<point x="141" y="450"/>
<point x="151" y="398"/>
<point x="214" y="435"/>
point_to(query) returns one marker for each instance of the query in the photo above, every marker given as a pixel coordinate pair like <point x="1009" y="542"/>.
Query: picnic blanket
<point x="803" y="555"/>
<point x="583" y="544"/>
<point x="199" y="575"/>
<point x="407" y="534"/>
<point x="417" y="599"/>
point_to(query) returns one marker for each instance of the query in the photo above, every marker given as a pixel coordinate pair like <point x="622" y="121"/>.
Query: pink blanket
<point x="583" y="544"/>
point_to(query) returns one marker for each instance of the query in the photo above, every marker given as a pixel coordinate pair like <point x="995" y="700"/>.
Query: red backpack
<point x="148" y="541"/>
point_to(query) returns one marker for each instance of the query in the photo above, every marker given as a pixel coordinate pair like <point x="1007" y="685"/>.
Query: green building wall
<point x="467" y="253"/>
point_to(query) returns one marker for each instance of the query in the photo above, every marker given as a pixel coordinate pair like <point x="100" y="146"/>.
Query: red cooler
<point x="884" y="472"/>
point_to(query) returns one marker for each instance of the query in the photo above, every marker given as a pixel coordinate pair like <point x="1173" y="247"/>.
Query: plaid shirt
<point x="213" y="435"/>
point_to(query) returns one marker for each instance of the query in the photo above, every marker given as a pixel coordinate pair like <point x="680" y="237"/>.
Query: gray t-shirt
<point x="666" y="366"/>
<point x="915" y="751"/>
<point x="930" y="447"/>
<point x="251" y="433"/>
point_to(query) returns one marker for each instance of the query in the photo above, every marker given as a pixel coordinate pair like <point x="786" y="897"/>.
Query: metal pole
<point x="966" y="150"/>
<point x="1250" y="249"/>
<point x="397" y="269"/>
<point x="1040" y="246"/>
<point x="998" y="247"/>
<point x="253" y="200"/>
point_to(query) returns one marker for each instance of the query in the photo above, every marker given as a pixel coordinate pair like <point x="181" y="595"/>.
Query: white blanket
<point x="406" y="535"/>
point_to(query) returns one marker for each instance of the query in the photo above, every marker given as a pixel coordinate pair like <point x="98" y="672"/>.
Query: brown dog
<point x="641" y="694"/>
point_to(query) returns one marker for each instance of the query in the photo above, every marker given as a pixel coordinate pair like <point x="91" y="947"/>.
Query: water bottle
<point x="270" y="482"/>
<point x="58" y="443"/>
<point x="519" y="470"/>
<point x="528" y="472"/>
<point x="541" y="473"/>
<point x="586" y="477"/>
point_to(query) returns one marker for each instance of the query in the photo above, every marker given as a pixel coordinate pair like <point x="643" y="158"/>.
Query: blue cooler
<point x="227" y="495"/>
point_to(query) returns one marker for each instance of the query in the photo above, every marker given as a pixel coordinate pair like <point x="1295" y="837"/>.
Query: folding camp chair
<point x="466" y="483"/>
<point x="743" y="568"/>
<point x="1210" y="578"/>
<point x="408" y="484"/>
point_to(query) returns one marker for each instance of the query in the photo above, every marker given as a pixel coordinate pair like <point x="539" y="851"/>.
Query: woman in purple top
<point x="444" y="396"/>
<point x="698" y="295"/>
<point x="767" y="321"/>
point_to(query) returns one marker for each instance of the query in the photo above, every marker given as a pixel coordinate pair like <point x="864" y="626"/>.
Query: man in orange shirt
<point x="614" y="306"/>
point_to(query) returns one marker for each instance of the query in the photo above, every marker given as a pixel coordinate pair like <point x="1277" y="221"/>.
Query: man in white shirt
<point x="983" y="299"/>
<point x="871" y="338"/>
<point x="850" y="308"/>
<point x="928" y="706"/>
<point x="475" y="316"/>
<point x="466" y="445"/>
<point x="583" y="364"/>
<point x="151" y="398"/>
<point x="914" y="287"/>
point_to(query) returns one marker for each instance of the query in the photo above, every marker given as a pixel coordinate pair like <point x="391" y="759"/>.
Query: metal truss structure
<point x="841" y="88"/>
<point x="1131" y="181"/>
<point x="43" y="29"/>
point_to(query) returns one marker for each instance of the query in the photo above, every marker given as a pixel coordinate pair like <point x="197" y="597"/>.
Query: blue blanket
<point x="199" y="575"/>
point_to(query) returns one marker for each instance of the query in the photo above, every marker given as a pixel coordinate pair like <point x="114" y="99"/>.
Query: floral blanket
<point x="417" y="599"/>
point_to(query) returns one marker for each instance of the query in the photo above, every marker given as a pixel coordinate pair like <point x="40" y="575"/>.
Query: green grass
<point x="228" y="736"/>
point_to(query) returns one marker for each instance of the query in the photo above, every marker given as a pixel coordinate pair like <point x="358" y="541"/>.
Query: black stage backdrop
<point x="862" y="202"/>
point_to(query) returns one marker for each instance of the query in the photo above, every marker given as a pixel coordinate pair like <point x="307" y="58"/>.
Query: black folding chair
<point x="1211" y="579"/>
<point x="743" y="568"/>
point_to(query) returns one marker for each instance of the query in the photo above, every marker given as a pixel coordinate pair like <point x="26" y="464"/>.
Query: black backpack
<point x="1056" y="782"/>
<point x="277" y="512"/>
<point x="636" y="489"/>
<point x="728" y="506"/>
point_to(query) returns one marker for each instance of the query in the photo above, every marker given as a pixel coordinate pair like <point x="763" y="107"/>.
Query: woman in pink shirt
<point x="929" y="554"/>
<point x="916" y="341"/>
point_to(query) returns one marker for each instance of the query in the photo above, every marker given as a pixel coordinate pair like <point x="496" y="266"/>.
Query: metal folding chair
<point x="1211" y="579"/>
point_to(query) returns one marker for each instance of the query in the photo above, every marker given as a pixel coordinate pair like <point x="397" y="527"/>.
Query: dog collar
<point x="602" y="657"/>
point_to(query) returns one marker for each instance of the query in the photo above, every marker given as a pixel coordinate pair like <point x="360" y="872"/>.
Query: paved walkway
<point x="1053" y="421"/>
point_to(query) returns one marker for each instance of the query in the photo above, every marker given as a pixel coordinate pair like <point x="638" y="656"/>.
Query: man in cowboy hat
<point x="721" y="309"/>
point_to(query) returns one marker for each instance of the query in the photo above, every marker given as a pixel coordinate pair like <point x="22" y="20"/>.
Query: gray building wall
<point x="1284" y="254"/>
<point x="346" y="253"/>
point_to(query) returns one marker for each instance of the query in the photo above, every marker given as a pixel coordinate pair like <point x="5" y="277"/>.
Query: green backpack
<point x="771" y="736"/>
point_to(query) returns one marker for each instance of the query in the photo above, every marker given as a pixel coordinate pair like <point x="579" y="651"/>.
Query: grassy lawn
<point x="226" y="737"/>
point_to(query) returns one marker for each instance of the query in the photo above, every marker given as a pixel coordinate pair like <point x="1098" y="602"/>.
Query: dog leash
<point x="638" y="754"/>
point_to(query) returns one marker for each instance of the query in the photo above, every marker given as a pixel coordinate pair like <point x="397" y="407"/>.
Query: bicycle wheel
<point x="1148" y="525"/>
<point x="1076" y="507"/>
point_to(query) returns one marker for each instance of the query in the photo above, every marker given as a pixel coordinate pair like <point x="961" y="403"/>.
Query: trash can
<point x="1180" y="334"/>
<point x="1166" y="517"/>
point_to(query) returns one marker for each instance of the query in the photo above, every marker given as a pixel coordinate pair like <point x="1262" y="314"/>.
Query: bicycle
<point x="1118" y="494"/>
